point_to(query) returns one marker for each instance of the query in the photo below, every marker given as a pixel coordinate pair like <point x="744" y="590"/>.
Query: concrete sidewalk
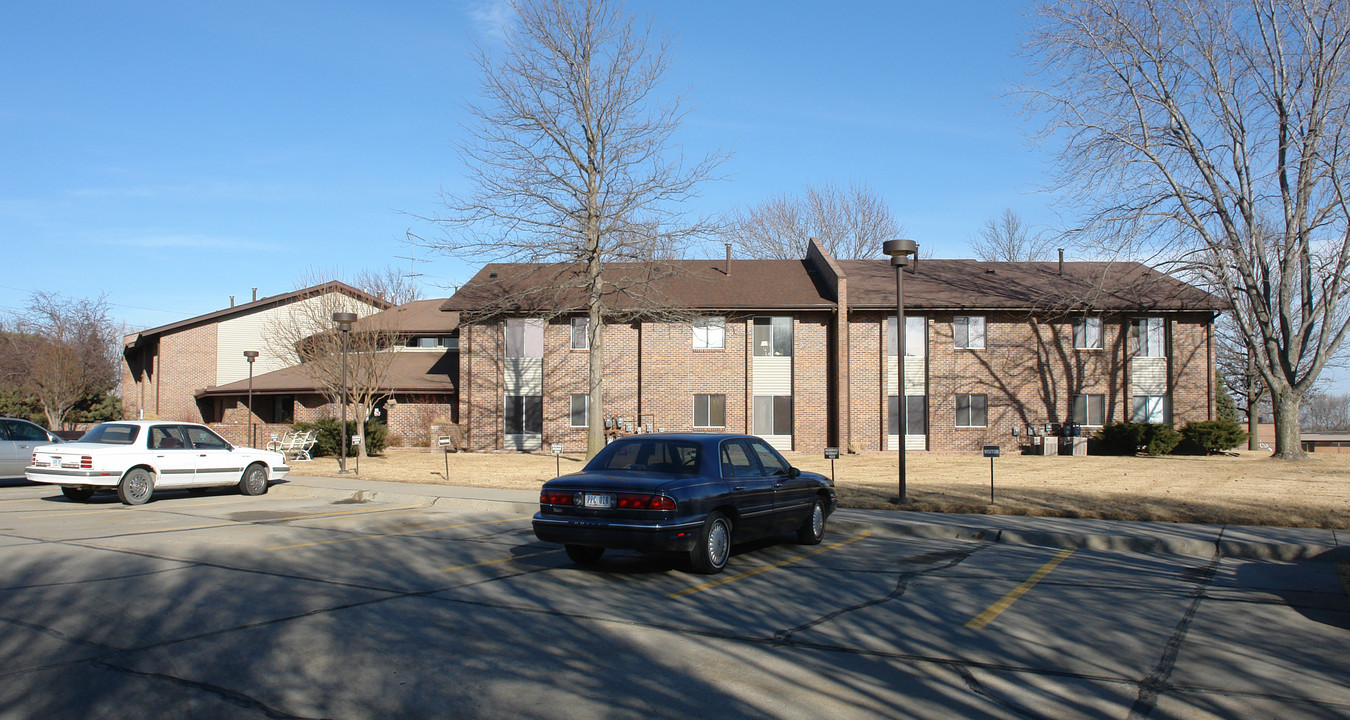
<point x="1236" y="541"/>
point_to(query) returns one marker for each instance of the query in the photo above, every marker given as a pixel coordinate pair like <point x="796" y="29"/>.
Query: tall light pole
<point x="344" y="321"/>
<point x="251" y="355"/>
<point x="900" y="250"/>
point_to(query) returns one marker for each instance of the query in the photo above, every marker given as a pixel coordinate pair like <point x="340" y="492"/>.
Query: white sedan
<point x="138" y="457"/>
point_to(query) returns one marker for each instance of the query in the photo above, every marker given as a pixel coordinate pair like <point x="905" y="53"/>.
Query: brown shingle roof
<point x="693" y="284"/>
<point x="975" y="284"/>
<point x="244" y="309"/>
<point x="409" y="371"/>
<point x="419" y="317"/>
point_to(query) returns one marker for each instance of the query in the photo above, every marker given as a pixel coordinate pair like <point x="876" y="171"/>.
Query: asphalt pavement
<point x="1228" y="541"/>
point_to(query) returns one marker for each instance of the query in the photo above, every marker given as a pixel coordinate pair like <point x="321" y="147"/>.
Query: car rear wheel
<point x="136" y="487"/>
<point x="584" y="555"/>
<point x="812" y="530"/>
<point x="254" y="481"/>
<point x="709" y="555"/>
<point x="77" y="494"/>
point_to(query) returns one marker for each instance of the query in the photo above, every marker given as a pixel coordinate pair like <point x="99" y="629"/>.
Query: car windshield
<point x="112" y="434"/>
<point x="648" y="455"/>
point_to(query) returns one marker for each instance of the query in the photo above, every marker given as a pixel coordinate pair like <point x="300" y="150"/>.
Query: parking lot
<point x="292" y="605"/>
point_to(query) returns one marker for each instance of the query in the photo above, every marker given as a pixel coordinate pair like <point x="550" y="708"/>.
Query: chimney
<point x="255" y="294"/>
<point x="1061" y="261"/>
<point x="231" y="301"/>
<point x="914" y="264"/>
<point x="728" y="259"/>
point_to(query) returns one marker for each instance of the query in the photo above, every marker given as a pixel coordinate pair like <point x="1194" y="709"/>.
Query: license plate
<point x="599" y="500"/>
<point x="56" y="462"/>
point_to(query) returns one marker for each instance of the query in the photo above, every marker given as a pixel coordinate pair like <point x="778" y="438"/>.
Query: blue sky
<point x="172" y="154"/>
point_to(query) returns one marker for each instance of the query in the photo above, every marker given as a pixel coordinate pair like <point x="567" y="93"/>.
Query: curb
<point x="479" y="499"/>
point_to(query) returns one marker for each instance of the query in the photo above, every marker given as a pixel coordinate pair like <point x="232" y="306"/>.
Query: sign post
<point x="445" y="444"/>
<point x="991" y="452"/>
<point x="831" y="454"/>
<point x="557" y="458"/>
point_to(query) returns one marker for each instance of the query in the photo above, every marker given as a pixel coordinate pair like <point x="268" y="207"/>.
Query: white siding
<point x="252" y="332"/>
<point x="1148" y="376"/>
<point x="781" y="443"/>
<point x="773" y="375"/>
<point x="912" y="442"/>
<point x="914" y="376"/>
<point x="524" y="376"/>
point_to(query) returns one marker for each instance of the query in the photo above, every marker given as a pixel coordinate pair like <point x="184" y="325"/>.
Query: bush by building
<point x="329" y="438"/>
<point x="1214" y="436"/>
<point x="1133" y="438"/>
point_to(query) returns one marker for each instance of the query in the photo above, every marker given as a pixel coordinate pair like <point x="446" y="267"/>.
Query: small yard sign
<point x="991" y="452"/>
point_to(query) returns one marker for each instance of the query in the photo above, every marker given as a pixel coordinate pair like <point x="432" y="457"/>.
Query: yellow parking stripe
<point x="498" y="560"/>
<point x="394" y="534"/>
<point x="993" y="611"/>
<point x="758" y="570"/>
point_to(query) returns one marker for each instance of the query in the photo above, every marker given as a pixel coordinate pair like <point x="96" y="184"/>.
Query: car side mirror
<point x="794" y="472"/>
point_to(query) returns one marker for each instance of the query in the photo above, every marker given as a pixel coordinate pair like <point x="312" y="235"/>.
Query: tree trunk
<point x="1287" y="437"/>
<point x="595" y="436"/>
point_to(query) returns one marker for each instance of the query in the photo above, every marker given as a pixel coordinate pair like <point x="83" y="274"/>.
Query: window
<point x="769" y="461"/>
<point x="581" y="339"/>
<point x="1089" y="409"/>
<point x="524" y="338"/>
<point x="203" y="439"/>
<point x="773" y="337"/>
<point x="736" y="460"/>
<point x="710" y="333"/>
<point x="915" y="325"/>
<point x="279" y="409"/>
<point x="773" y="414"/>
<point x="1087" y="333"/>
<point x="1148" y="336"/>
<point x="524" y="415"/>
<point x="425" y="342"/>
<point x="20" y="431"/>
<point x="916" y="415"/>
<point x="581" y="405"/>
<point x="1150" y="409"/>
<point x="670" y="456"/>
<point x="710" y="411"/>
<point x="972" y="410"/>
<point x="968" y="332"/>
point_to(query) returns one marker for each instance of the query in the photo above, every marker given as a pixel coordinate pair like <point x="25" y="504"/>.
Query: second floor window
<point x="581" y="339"/>
<point x="915" y="325"/>
<point x="968" y="332"/>
<point x="710" y="333"/>
<point x="1087" y="333"/>
<point x="773" y="336"/>
<point x="1148" y="337"/>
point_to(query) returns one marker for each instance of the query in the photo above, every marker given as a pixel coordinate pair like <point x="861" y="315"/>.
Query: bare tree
<point x="1323" y="412"/>
<point x="61" y="350"/>
<point x="305" y="332"/>
<point x="1215" y="132"/>
<point x="1007" y="239"/>
<point x="389" y="284"/>
<point x="572" y="160"/>
<point x="852" y="223"/>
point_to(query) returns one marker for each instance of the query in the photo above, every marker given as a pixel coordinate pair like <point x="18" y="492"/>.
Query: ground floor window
<point x="581" y="405"/>
<point x="524" y="414"/>
<point x="710" y="411"/>
<point x="916" y="415"/>
<point x="972" y="410"/>
<point x="773" y="414"/>
<point x="1150" y="409"/>
<point x="1089" y="410"/>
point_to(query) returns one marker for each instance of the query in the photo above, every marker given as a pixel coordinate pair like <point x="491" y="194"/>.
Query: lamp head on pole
<point x="251" y="355"/>
<point x="344" y="320"/>
<point x="900" y="250"/>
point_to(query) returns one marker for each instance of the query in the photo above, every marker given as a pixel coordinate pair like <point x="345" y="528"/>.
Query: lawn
<point x="1247" y="488"/>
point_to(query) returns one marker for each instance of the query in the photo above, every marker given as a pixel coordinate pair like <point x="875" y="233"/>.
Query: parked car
<point x="18" y="438"/>
<point x="687" y="493"/>
<point x="135" y="458"/>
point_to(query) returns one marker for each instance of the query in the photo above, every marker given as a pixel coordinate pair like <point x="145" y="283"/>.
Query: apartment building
<point x="805" y="352"/>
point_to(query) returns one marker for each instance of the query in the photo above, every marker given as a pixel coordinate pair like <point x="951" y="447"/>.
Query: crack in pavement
<point x="1158" y="681"/>
<point x="237" y="699"/>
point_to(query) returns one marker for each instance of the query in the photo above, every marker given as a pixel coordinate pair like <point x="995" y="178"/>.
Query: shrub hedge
<point x="329" y="438"/>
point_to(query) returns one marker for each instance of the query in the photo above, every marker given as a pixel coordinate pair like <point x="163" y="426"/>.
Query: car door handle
<point x="738" y="487"/>
<point x="778" y="485"/>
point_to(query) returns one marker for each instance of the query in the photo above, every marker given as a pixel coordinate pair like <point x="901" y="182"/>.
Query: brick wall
<point x="867" y="381"/>
<point x="1191" y="370"/>
<point x="187" y="363"/>
<point x="811" y="383"/>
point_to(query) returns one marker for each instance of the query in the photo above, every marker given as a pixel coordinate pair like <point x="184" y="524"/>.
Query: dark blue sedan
<point x="686" y="493"/>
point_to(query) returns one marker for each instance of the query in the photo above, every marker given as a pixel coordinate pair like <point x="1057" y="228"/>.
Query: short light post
<point x="251" y="355"/>
<point x="344" y="321"/>
<point x="900" y="250"/>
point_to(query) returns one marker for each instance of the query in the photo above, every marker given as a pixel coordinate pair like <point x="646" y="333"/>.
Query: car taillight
<point x="557" y="497"/>
<point x="642" y="501"/>
<point x="86" y="462"/>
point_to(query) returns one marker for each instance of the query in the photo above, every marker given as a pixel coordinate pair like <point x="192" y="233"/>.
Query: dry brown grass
<point x="1245" y="489"/>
